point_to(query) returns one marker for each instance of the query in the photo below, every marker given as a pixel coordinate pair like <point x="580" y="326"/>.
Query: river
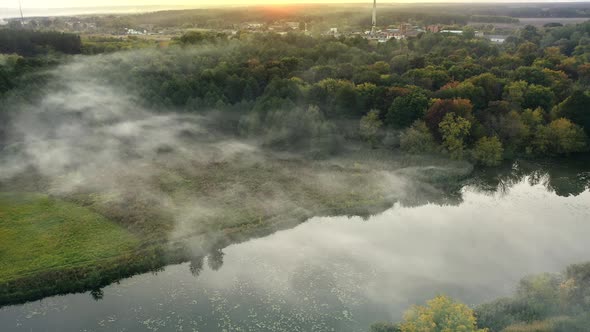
<point x="345" y="273"/>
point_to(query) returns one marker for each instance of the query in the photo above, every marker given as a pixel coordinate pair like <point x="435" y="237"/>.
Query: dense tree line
<point x="457" y="94"/>
<point x="26" y="73"/>
<point x="435" y="93"/>
<point x="493" y="19"/>
<point x="30" y="43"/>
<point x="546" y="302"/>
<point x="344" y="16"/>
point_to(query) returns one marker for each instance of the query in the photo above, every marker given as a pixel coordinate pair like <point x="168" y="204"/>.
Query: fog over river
<point x="340" y="273"/>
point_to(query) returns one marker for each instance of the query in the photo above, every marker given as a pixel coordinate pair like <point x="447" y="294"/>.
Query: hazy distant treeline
<point x="348" y="15"/>
<point x="29" y="43"/>
<point x="493" y="19"/>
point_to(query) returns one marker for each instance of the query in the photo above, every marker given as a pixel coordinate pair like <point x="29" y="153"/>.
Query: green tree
<point x="492" y="86"/>
<point x="468" y="32"/>
<point x="488" y="151"/>
<point x="466" y="90"/>
<point x="441" y="107"/>
<point x="576" y="108"/>
<point x="514" y="92"/>
<point x="538" y="96"/>
<point x="540" y="294"/>
<point x="406" y="109"/>
<point x="533" y="119"/>
<point x="454" y="129"/>
<point x="560" y="137"/>
<point x="440" y="314"/>
<point x="430" y="78"/>
<point x="530" y="33"/>
<point x="575" y="290"/>
<point x="370" y="126"/>
<point x="417" y="139"/>
<point x="381" y="67"/>
<point x="195" y="37"/>
<point x="528" y="52"/>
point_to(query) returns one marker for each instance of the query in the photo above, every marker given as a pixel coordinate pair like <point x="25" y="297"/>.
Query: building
<point x="404" y="28"/>
<point x="254" y="25"/>
<point x="498" y="39"/>
<point x="433" y="28"/>
<point x="292" y="25"/>
<point x="455" y="32"/>
<point x="133" y="32"/>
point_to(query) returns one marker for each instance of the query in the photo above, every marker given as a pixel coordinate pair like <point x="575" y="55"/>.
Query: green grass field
<point x="39" y="233"/>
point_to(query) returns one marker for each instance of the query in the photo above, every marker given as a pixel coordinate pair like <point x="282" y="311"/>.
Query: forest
<point x="458" y="95"/>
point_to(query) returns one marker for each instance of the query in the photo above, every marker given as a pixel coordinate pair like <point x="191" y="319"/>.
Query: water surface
<point x="343" y="274"/>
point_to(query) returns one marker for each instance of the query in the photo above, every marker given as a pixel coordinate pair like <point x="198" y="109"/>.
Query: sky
<point x="191" y="3"/>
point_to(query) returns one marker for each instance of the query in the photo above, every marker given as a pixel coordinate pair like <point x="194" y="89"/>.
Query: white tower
<point x="22" y="17"/>
<point x="374" y="23"/>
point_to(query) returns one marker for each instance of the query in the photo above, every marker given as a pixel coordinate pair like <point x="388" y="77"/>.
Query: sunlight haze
<point x="194" y="3"/>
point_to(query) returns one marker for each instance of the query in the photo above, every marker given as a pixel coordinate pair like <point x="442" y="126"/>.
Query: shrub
<point x="440" y="314"/>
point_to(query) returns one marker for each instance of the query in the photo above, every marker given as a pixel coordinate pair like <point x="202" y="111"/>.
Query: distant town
<point x="92" y="25"/>
<point x="376" y="25"/>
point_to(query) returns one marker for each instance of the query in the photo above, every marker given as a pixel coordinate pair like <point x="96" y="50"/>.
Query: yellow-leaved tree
<point x="440" y="314"/>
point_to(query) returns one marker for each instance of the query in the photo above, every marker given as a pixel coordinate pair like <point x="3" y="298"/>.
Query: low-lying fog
<point x="88" y="132"/>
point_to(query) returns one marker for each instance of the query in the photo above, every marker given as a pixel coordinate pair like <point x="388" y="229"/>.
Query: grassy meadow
<point x="39" y="233"/>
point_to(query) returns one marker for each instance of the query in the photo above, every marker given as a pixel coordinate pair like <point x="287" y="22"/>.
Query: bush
<point x="440" y="314"/>
<point x="544" y="326"/>
<point x="385" y="327"/>
<point x="576" y="324"/>
<point x="498" y="314"/>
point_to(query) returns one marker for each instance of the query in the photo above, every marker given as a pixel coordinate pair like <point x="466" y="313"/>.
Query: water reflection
<point x="564" y="177"/>
<point x="342" y="274"/>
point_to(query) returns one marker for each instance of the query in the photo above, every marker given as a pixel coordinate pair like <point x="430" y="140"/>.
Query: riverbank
<point x="205" y="209"/>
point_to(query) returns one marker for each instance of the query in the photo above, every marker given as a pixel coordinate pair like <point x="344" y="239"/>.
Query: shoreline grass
<point x="39" y="233"/>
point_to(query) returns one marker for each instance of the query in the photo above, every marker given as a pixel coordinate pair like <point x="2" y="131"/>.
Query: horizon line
<point x="290" y="3"/>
